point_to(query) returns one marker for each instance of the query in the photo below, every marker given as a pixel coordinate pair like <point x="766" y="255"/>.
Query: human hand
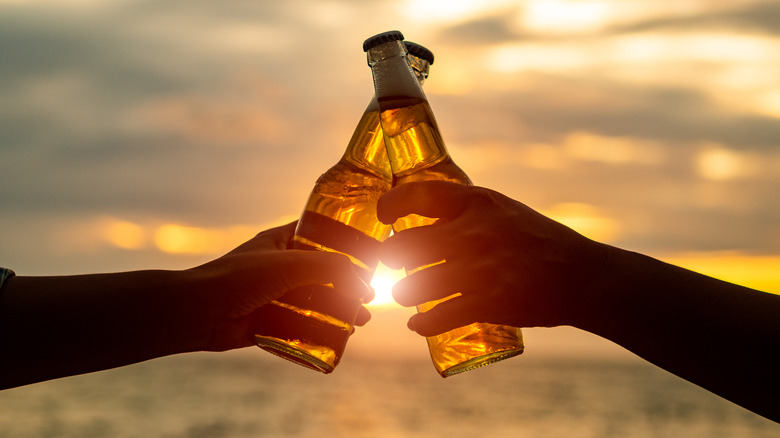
<point x="510" y="264"/>
<point x="239" y="283"/>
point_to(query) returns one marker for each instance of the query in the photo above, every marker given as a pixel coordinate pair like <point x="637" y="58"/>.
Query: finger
<point x="316" y="267"/>
<point x="277" y="238"/>
<point x="448" y="315"/>
<point x="363" y="317"/>
<point x="280" y="237"/>
<point x="429" y="244"/>
<point x="435" y="199"/>
<point x="371" y="295"/>
<point x="433" y="283"/>
<point x="414" y="247"/>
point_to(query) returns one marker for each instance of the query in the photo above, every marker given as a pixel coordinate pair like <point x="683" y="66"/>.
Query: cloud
<point x="755" y="16"/>
<point x="635" y="152"/>
<point x="556" y="106"/>
<point x="31" y="42"/>
<point x="490" y="30"/>
<point x="217" y="115"/>
<point x="572" y="21"/>
<point x="128" y="108"/>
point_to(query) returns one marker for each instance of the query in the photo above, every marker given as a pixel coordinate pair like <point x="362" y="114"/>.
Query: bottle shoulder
<point x="444" y="170"/>
<point x="366" y="147"/>
<point x="346" y="170"/>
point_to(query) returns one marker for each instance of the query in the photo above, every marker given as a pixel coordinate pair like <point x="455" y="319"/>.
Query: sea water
<point x="250" y="393"/>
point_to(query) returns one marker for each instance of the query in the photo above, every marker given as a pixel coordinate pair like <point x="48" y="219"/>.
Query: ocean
<point x="249" y="393"/>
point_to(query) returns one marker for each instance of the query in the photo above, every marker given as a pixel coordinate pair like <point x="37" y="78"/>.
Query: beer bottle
<point x="310" y="325"/>
<point x="416" y="152"/>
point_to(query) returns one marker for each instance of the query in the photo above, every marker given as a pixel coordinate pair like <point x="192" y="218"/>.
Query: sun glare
<point x="769" y="103"/>
<point x="585" y="219"/>
<point x="756" y="271"/>
<point x="613" y="150"/>
<point x="123" y="234"/>
<point x="383" y="281"/>
<point x="181" y="239"/>
<point x="452" y="11"/>
<point x="565" y="16"/>
<point x="716" y="162"/>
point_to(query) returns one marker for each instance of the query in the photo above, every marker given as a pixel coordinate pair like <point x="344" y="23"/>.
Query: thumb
<point x="433" y="199"/>
<point x="445" y="316"/>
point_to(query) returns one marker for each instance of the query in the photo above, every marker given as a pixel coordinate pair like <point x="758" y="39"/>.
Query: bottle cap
<point x="384" y="37"/>
<point x="419" y="51"/>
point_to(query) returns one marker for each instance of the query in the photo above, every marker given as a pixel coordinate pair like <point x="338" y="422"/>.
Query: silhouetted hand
<point x="108" y="320"/>
<point x="263" y="269"/>
<point x="510" y="264"/>
<point x="514" y="266"/>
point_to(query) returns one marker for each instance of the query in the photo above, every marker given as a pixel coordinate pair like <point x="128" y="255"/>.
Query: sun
<point x="383" y="281"/>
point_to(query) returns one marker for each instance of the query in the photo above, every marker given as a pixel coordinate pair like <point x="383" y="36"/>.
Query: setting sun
<point x="143" y="139"/>
<point x="383" y="282"/>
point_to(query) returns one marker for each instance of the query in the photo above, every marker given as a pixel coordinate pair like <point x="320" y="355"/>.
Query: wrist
<point x="193" y="306"/>
<point x="599" y="270"/>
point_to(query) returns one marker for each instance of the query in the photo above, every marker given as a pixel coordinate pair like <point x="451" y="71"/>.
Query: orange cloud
<point x="212" y="121"/>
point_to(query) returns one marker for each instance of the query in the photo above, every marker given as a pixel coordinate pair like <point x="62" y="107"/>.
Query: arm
<point x="718" y="335"/>
<point x="53" y="327"/>
<point x="514" y="266"/>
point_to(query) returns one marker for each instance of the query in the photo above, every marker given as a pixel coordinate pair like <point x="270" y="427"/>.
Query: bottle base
<point x="480" y="362"/>
<point x="283" y="349"/>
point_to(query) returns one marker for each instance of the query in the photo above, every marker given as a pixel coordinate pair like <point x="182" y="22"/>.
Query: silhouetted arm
<point x="515" y="266"/>
<point x="53" y="327"/>
<point x="718" y="335"/>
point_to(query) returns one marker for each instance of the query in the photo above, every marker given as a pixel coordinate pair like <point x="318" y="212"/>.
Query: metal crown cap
<point x="384" y="37"/>
<point x="419" y="51"/>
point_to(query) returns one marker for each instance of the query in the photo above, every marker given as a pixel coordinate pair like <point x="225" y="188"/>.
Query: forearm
<point x="58" y="326"/>
<point x="718" y="335"/>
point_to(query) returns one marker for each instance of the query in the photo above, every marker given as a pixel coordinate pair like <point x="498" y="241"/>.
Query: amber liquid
<point x="311" y="325"/>
<point x="416" y="151"/>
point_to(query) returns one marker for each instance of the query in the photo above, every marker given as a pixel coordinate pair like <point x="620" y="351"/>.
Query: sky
<point x="161" y="134"/>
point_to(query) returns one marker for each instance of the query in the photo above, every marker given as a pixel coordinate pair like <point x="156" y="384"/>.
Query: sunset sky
<point x="160" y="134"/>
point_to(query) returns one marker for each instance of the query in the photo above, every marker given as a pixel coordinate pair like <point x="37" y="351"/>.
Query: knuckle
<point x="484" y="197"/>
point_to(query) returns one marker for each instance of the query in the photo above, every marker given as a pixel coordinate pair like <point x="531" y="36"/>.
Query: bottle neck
<point x="411" y="135"/>
<point x="366" y="148"/>
<point x="393" y="75"/>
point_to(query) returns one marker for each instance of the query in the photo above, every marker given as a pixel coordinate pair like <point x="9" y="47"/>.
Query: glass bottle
<point x="416" y="152"/>
<point x="311" y="325"/>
